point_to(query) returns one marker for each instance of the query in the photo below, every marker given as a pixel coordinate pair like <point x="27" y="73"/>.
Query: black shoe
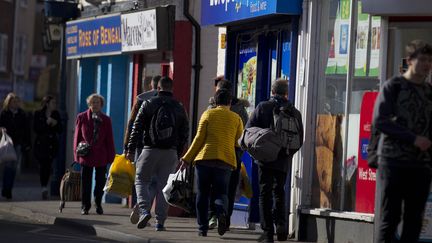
<point x="281" y="233"/>
<point x="99" y="210"/>
<point x="264" y="238"/>
<point x="7" y="193"/>
<point x="84" y="211"/>
<point x="222" y="224"/>
<point x="202" y="233"/>
<point x="142" y="223"/>
<point x="45" y="195"/>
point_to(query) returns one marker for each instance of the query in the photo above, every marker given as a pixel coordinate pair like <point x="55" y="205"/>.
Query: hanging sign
<point x="139" y="31"/>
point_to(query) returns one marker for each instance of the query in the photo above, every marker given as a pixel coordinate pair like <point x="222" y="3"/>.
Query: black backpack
<point x="163" y="132"/>
<point x="287" y="126"/>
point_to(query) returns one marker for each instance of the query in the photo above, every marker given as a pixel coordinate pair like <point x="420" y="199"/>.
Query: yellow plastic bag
<point x="245" y="186"/>
<point x="121" y="177"/>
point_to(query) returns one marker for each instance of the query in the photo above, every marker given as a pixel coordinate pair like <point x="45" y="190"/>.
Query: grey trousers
<point x="152" y="170"/>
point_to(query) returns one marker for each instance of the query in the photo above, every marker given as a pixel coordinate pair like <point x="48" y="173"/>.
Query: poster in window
<point x="375" y="46"/>
<point x="331" y="61"/>
<point x="247" y="73"/>
<point x="342" y="36"/>
<point x="361" y="43"/>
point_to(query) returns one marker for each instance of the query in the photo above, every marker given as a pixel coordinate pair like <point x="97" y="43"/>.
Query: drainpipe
<point x="197" y="66"/>
<point x="15" y="43"/>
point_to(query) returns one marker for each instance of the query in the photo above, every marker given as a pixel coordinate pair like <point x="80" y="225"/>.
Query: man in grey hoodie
<point x="238" y="106"/>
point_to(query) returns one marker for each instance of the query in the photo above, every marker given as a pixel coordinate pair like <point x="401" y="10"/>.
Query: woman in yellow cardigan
<point x="212" y="151"/>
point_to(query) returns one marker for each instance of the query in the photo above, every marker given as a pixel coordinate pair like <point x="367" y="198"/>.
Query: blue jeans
<point x="10" y="170"/>
<point x="217" y="179"/>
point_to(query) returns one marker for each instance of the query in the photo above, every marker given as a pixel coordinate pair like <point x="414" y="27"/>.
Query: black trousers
<point x="232" y="191"/>
<point x="44" y="171"/>
<point x="397" y="185"/>
<point x="272" y="199"/>
<point x="86" y="185"/>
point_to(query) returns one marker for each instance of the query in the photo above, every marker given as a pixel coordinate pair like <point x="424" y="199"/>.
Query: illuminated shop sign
<point x="225" y="11"/>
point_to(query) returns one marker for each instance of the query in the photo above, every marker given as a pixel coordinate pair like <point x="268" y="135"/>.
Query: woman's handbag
<point x="83" y="149"/>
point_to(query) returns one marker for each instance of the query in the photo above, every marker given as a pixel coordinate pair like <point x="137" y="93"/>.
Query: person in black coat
<point x="274" y="175"/>
<point x="14" y="120"/>
<point x="47" y="126"/>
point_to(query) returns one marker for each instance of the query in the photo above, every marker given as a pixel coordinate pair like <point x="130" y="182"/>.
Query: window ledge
<point x="367" y="217"/>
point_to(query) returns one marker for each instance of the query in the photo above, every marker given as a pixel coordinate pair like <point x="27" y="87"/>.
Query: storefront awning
<point x="397" y="7"/>
<point x="218" y="12"/>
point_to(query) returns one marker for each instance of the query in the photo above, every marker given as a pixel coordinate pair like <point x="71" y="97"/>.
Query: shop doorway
<point x="255" y="58"/>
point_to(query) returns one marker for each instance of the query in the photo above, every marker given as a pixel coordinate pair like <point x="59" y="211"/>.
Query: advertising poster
<point x="366" y="177"/>
<point x="375" y="46"/>
<point x="361" y="43"/>
<point x="342" y="36"/>
<point x="286" y="55"/>
<point x="247" y="73"/>
<point x="426" y="231"/>
<point x="331" y="61"/>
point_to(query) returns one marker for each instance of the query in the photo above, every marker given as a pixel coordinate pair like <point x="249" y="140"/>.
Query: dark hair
<point x="417" y="47"/>
<point x="165" y="84"/>
<point x="46" y="100"/>
<point x="280" y="87"/>
<point x="155" y="81"/>
<point x="223" y="97"/>
<point x="224" y="84"/>
<point x="217" y="79"/>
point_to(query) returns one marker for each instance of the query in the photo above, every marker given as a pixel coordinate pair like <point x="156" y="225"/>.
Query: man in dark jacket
<point x="403" y="115"/>
<point x="157" y="160"/>
<point x="134" y="217"/>
<point x="273" y="175"/>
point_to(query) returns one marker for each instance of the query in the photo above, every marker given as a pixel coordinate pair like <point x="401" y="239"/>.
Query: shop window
<point x="3" y="52"/>
<point x="337" y="152"/>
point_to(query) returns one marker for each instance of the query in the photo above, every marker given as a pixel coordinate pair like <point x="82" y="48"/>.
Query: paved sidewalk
<point x="114" y="223"/>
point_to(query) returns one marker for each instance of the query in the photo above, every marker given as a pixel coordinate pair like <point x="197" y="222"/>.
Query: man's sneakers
<point x="160" y="227"/>
<point x="222" y="224"/>
<point x="212" y="222"/>
<point x="134" y="216"/>
<point x="44" y="193"/>
<point x="143" y="220"/>
<point x="281" y="233"/>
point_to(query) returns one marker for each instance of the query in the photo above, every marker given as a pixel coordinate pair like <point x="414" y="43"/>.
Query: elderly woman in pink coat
<point x="93" y="148"/>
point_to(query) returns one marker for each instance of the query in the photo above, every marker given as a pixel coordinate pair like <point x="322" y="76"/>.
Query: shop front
<point x="261" y="45"/>
<point x="355" y="47"/>
<point x="114" y="54"/>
